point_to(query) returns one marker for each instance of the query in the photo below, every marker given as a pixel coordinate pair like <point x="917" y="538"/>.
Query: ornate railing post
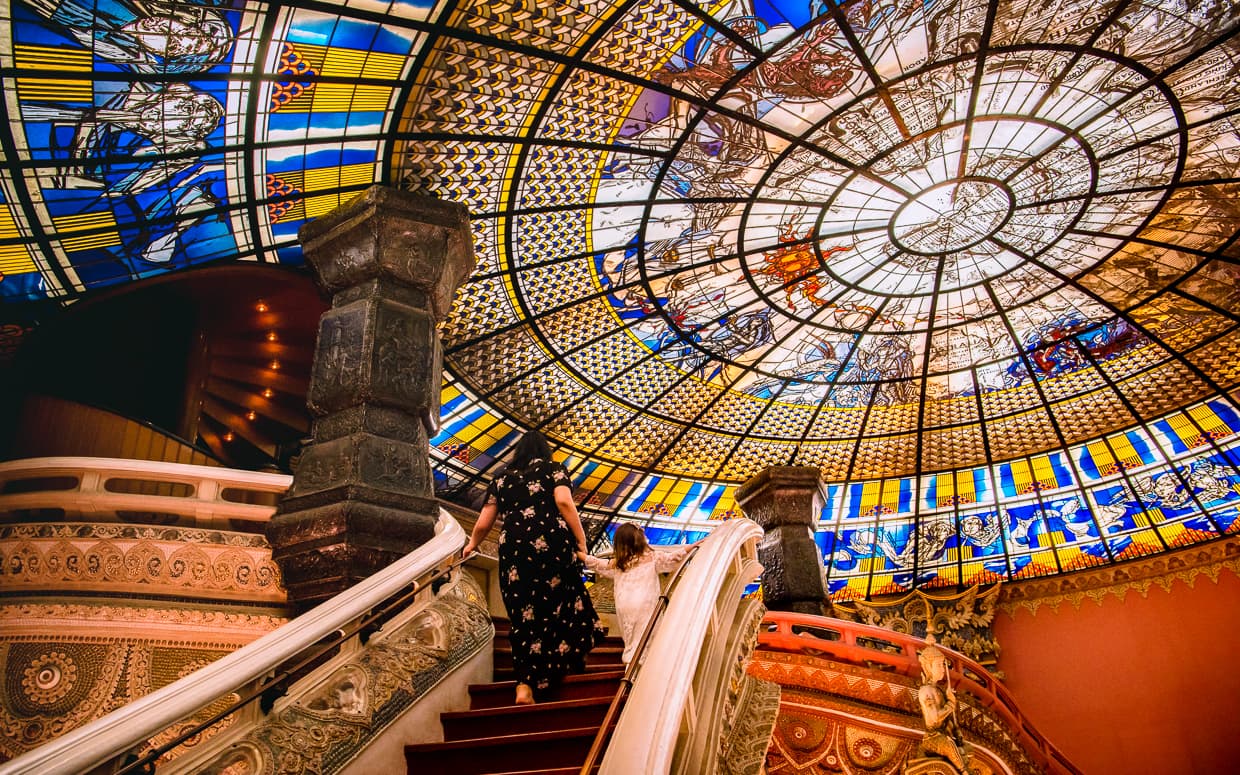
<point x="362" y="494"/>
<point x="785" y="501"/>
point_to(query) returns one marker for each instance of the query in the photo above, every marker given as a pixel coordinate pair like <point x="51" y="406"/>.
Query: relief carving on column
<point x="321" y="730"/>
<point x="362" y="493"/>
<point x="751" y="705"/>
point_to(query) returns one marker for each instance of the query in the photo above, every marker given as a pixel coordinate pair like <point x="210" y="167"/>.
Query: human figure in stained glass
<point x="553" y="621"/>
<point x="150" y="37"/>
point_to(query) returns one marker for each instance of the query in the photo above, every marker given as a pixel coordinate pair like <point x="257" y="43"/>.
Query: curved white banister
<point x="105" y="738"/>
<point x="652" y="725"/>
<point x="89" y="494"/>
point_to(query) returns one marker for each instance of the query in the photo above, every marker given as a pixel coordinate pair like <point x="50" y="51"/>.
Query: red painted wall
<point x="1142" y="686"/>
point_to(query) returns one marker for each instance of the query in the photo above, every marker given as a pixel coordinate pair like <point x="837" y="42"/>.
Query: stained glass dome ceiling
<point x="976" y="261"/>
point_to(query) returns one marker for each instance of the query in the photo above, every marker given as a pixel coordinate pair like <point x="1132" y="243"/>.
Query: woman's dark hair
<point x="629" y="544"/>
<point x="532" y="446"/>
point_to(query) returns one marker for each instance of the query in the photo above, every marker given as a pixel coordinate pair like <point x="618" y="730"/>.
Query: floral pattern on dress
<point x="553" y="621"/>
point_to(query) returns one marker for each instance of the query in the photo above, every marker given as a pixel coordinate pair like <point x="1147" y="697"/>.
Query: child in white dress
<point x="634" y="568"/>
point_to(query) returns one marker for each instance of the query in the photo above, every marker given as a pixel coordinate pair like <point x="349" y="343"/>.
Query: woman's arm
<point x="486" y="518"/>
<point x="568" y="509"/>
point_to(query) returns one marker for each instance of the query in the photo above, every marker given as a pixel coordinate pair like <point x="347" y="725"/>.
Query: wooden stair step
<point x="504" y="626"/>
<point x="480" y="755"/>
<point x="502" y="659"/>
<point x="608" y="646"/>
<point x="573" y="687"/>
<point x="551" y="771"/>
<point x="501" y="640"/>
<point x="599" y="655"/>
<point x="520" y="719"/>
<point x="506" y="673"/>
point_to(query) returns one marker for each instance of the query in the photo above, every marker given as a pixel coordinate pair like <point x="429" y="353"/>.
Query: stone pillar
<point x="362" y="495"/>
<point x="786" y="501"/>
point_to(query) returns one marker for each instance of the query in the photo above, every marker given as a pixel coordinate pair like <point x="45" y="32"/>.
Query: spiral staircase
<point x="183" y="355"/>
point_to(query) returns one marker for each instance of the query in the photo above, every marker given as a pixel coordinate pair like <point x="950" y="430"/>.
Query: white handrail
<point x="90" y="495"/>
<point x="105" y="738"/>
<point x="650" y="728"/>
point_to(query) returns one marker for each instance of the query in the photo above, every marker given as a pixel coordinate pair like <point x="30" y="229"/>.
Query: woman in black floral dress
<point x="553" y="621"/>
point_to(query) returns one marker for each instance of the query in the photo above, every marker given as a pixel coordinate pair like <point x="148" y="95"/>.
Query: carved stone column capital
<point x="362" y="494"/>
<point x="416" y="242"/>
<point x="786" y="501"/>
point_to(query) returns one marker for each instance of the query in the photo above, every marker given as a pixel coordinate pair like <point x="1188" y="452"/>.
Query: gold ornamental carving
<point x="817" y="687"/>
<point x="321" y="730"/>
<point x="51" y="688"/>
<point x="806" y="741"/>
<point x="943" y="740"/>
<point x="67" y="664"/>
<point x="1163" y="571"/>
<point x="139" y="560"/>
<point x="205" y="628"/>
<point x="961" y="622"/>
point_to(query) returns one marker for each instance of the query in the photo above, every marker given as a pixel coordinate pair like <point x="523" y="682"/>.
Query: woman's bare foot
<point x="525" y="695"/>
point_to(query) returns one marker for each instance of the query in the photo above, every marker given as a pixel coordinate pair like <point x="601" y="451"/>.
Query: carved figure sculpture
<point x="938" y="708"/>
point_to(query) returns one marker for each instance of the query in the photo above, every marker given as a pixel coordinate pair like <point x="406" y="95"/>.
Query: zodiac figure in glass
<point x="138" y="144"/>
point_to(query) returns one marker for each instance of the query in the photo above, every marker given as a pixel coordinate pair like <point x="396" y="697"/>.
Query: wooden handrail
<point x="852" y="643"/>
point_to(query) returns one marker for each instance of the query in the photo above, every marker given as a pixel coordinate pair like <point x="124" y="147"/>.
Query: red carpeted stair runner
<point x="497" y="737"/>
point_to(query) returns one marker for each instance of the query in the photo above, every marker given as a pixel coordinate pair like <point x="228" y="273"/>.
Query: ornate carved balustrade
<point x="144" y="491"/>
<point x="835" y="674"/>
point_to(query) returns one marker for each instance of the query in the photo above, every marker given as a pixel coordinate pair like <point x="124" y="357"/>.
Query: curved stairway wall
<point x="122" y="577"/>
<point x="337" y="709"/>
<point x="119" y="576"/>
<point x="1132" y="669"/>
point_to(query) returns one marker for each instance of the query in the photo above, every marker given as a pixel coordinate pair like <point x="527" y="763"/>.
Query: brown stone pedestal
<point x="785" y="501"/>
<point x="362" y="495"/>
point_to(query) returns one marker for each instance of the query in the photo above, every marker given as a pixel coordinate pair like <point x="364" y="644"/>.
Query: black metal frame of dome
<point x="1007" y="225"/>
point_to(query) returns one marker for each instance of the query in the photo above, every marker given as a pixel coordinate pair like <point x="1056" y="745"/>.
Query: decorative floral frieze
<point x="157" y="561"/>
<point x="209" y="628"/>
<point x="1140" y="576"/>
